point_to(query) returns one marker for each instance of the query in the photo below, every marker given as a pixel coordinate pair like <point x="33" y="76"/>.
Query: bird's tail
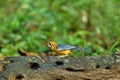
<point x="78" y="48"/>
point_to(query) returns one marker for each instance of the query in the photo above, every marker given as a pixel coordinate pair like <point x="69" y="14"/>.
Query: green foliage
<point x="28" y="24"/>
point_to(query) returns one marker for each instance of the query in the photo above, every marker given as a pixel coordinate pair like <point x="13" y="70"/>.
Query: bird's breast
<point x="64" y="52"/>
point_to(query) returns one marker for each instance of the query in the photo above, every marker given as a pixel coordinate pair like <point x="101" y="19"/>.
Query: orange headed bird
<point x="62" y="48"/>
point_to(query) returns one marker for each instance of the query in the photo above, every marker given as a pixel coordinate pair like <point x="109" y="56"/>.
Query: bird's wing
<point x="61" y="47"/>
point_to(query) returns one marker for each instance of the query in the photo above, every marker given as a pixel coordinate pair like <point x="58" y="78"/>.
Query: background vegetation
<point x="29" y="24"/>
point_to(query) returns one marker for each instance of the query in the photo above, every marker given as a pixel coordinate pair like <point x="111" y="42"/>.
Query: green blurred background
<point x="29" y="24"/>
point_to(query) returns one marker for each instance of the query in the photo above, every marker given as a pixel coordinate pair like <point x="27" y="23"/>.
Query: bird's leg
<point x="83" y="53"/>
<point x="54" y="54"/>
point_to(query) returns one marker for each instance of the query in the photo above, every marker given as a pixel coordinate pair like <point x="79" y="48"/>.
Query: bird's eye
<point x="50" y="45"/>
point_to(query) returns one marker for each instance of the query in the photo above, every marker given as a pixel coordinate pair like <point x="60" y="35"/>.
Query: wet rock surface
<point x="56" y="68"/>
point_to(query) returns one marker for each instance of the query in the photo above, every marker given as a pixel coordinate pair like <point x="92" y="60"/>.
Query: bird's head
<point x="52" y="45"/>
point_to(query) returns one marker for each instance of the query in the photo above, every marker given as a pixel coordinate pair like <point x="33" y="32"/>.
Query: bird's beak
<point x="45" y="44"/>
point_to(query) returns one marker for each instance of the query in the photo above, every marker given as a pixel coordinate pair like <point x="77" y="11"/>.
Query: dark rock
<point x="56" y="68"/>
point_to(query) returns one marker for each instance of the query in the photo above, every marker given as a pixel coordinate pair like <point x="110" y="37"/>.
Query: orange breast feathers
<point x="64" y="52"/>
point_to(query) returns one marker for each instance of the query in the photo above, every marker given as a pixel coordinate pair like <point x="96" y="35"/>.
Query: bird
<point x="62" y="49"/>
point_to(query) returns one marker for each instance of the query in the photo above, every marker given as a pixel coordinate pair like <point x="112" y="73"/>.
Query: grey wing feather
<point x="61" y="47"/>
